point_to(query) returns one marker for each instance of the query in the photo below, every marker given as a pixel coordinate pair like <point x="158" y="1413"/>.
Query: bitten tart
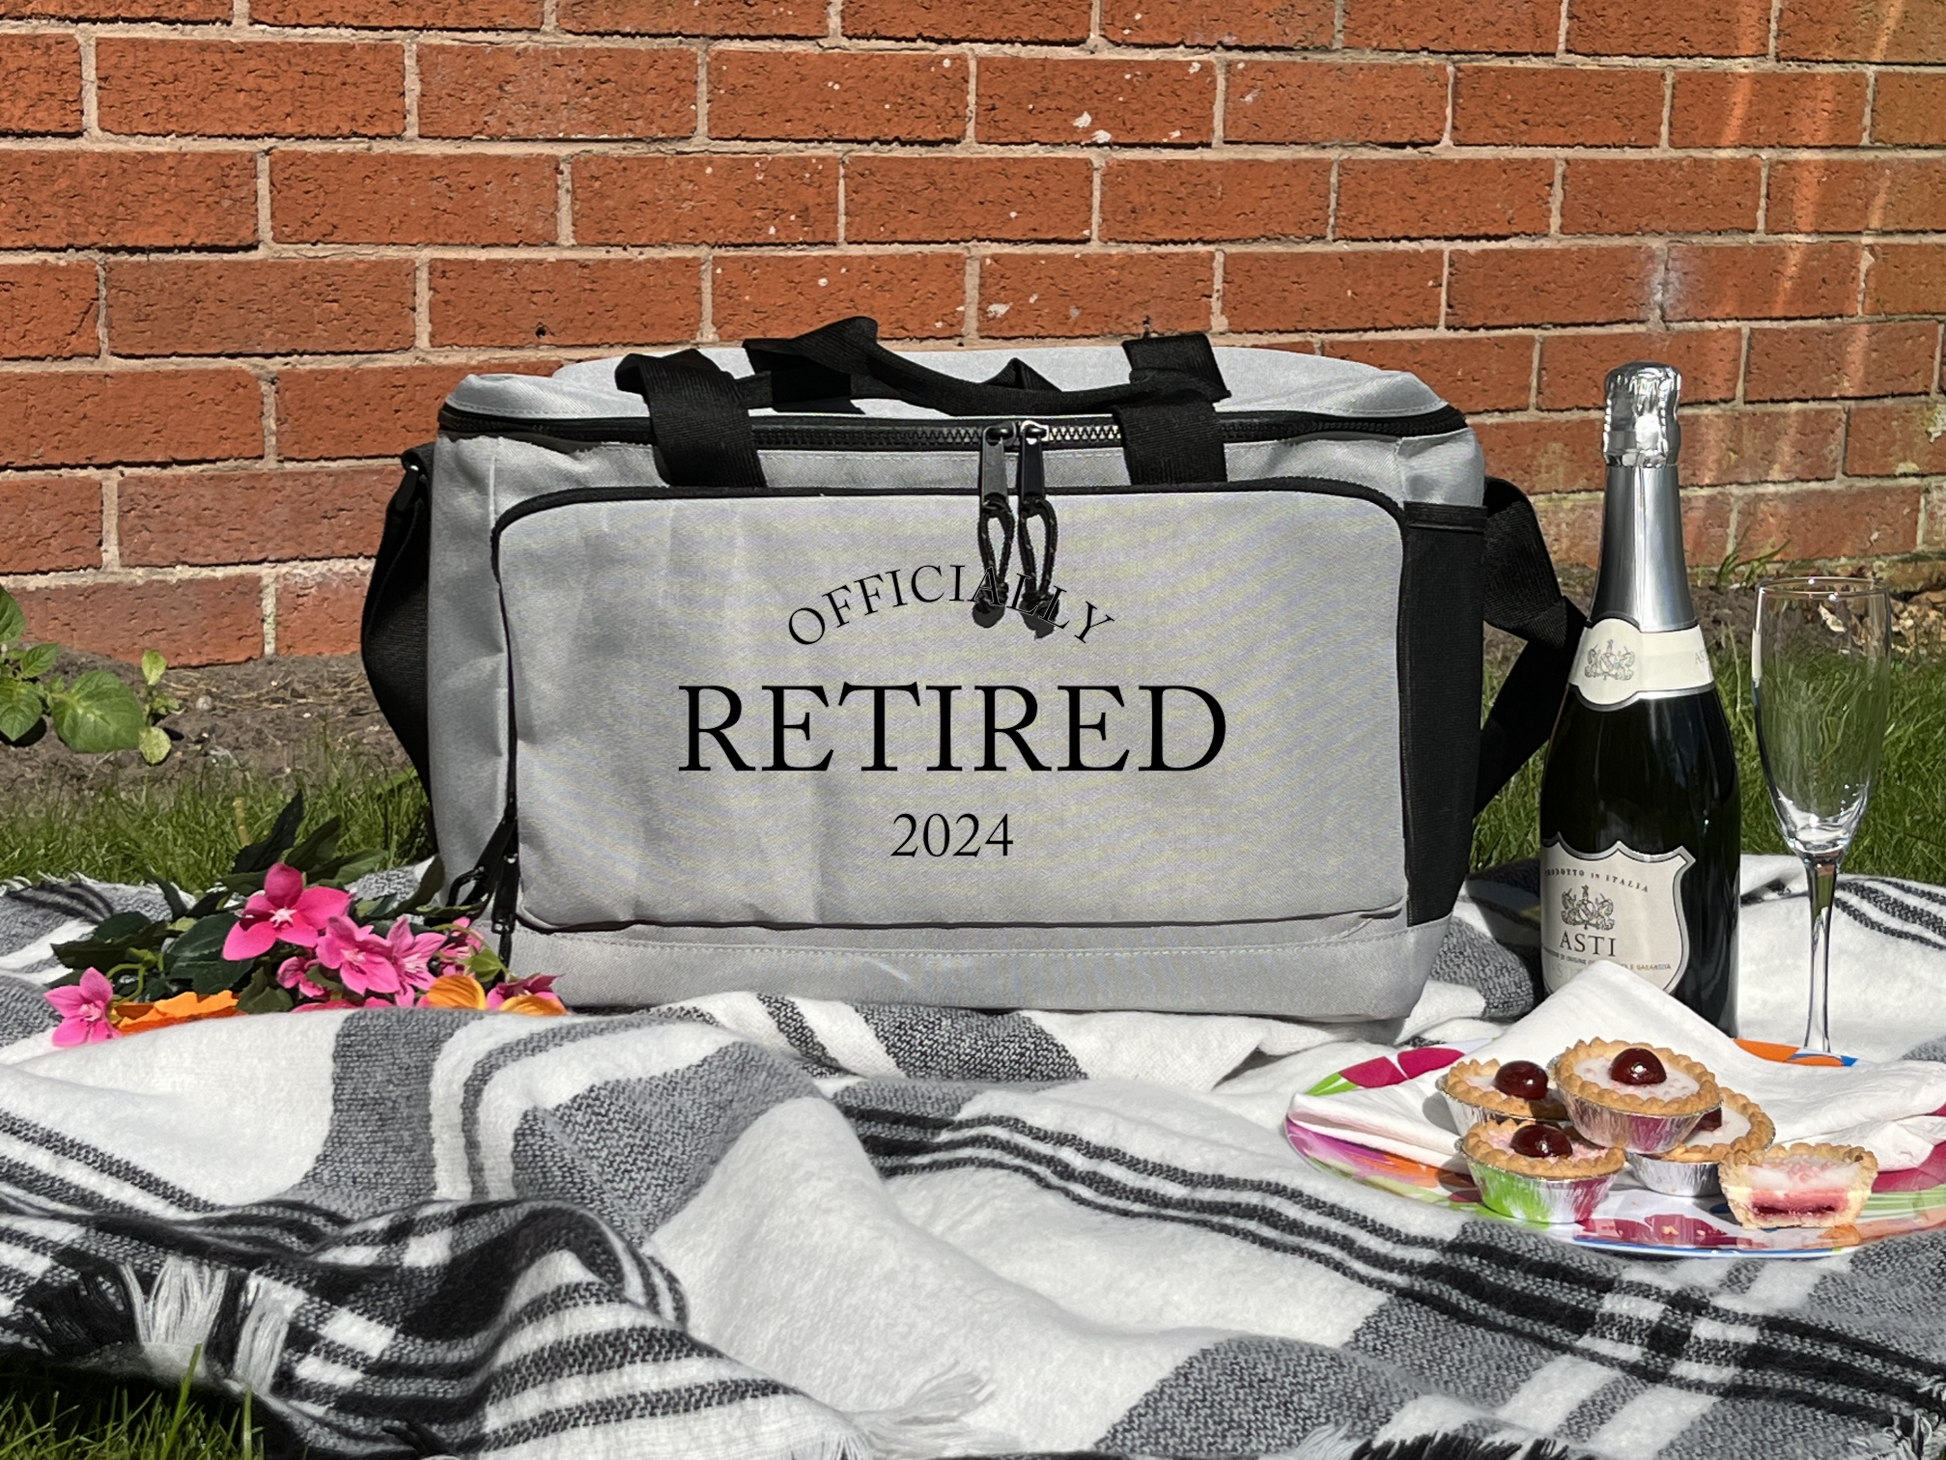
<point x="1738" y="1129"/>
<point x="1799" y="1186"/>
<point x="1476" y="1090"/>
<point x="1639" y="1097"/>
<point x="1536" y="1171"/>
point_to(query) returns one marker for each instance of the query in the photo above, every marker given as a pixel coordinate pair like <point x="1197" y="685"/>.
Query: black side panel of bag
<point x="392" y="635"/>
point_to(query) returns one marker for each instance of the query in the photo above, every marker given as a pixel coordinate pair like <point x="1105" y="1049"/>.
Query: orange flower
<point x="185" y="1008"/>
<point x="532" y="1004"/>
<point x="454" y="991"/>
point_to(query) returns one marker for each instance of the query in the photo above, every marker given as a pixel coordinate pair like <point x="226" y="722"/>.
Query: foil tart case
<point x="1675" y="1178"/>
<point x="1643" y="1134"/>
<point x="1536" y="1199"/>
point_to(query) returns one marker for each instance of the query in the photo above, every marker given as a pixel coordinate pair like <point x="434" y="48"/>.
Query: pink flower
<point x="364" y="962"/>
<point x="414" y="953"/>
<point x="84" y="1011"/>
<point x="540" y="983"/>
<point x="286" y="911"/>
<point x="462" y="943"/>
<point x="293" y="973"/>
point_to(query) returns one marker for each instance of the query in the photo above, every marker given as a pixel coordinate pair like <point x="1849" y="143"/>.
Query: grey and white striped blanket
<point x="756" y="1228"/>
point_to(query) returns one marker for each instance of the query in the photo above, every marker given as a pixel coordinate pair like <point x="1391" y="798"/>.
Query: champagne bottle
<point x="1639" y="807"/>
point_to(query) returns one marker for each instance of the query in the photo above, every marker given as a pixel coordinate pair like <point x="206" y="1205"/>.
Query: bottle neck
<point x="1644" y="577"/>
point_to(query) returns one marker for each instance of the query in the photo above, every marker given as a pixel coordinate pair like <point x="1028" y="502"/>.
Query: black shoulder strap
<point x="392" y="633"/>
<point x="1523" y="598"/>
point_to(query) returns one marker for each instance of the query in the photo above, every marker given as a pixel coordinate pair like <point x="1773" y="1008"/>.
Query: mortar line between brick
<point x="1338" y="24"/>
<point x="844" y="168"/>
<point x="411" y="88"/>
<point x="1871" y="106"/>
<point x="1555" y="195"/>
<point x="1097" y="166"/>
<point x="834" y="21"/>
<point x="1452" y="97"/>
<point x="564" y="202"/>
<point x="1217" y="135"/>
<point x="267" y="387"/>
<point x="1445" y="282"/>
<point x="551" y="16"/>
<point x="1668" y="107"/>
<point x="970" y="134"/>
<point x="1218" y="322"/>
<point x="1770" y="45"/>
<point x="422" y="303"/>
<point x="706" y="329"/>
<point x="266" y="230"/>
<point x="239" y="14"/>
<point x="1561" y="32"/>
<point x="268" y="607"/>
<point x="700" y="133"/>
<point x="1534" y="374"/>
<point x="90" y="96"/>
<point x="1763" y="192"/>
<point x="1095" y="36"/>
<point x="101" y="306"/>
<point x="1331" y="204"/>
<point x="111" y="520"/>
<point x="1743" y="364"/>
<point x="970" y="299"/>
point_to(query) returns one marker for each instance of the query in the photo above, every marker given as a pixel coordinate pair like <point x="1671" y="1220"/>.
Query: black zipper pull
<point x="1040" y="600"/>
<point x="990" y="598"/>
<point x="494" y="880"/>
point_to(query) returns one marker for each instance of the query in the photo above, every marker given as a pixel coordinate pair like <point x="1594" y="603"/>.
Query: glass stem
<point x="1823" y="873"/>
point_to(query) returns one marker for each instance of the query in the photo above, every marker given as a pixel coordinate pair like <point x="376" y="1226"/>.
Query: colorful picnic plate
<point x="1631" y="1218"/>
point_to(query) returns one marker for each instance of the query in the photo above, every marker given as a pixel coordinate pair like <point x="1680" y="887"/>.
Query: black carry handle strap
<point x="702" y="429"/>
<point x="1523" y="598"/>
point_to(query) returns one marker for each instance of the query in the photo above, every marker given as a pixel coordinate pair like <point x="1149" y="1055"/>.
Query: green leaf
<point x="172" y="894"/>
<point x="38" y="660"/>
<point x="210" y="976"/>
<point x="308" y="855"/>
<point x="13" y="623"/>
<point x="21" y="707"/>
<point x="264" y="997"/>
<point x="262" y="856"/>
<point x="202" y="942"/>
<point x="153" y="744"/>
<point x="121" y="927"/>
<point x="96" y="714"/>
<point x="152" y="666"/>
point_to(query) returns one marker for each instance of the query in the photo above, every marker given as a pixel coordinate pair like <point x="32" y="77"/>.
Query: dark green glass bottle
<point x="1640" y="831"/>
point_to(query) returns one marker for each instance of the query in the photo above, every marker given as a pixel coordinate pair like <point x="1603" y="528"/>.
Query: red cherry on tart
<point x="1542" y="1142"/>
<point x="1637" y="1066"/>
<point x="1522" y="1079"/>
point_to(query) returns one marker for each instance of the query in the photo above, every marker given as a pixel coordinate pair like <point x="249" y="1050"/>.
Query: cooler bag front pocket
<point x="776" y="710"/>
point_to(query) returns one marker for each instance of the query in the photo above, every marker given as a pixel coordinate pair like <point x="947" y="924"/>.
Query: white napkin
<point x="1887" y="1108"/>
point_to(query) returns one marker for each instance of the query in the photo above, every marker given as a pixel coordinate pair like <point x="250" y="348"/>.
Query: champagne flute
<point x="1820" y="668"/>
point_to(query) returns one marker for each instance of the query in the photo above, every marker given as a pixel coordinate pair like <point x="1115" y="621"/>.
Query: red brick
<point x="47" y="310"/>
<point x="1586" y="284"/>
<point x="696" y="17"/>
<point x="912" y="296"/>
<point x="221" y="517"/>
<point x="565" y="301"/>
<point x="78" y="199"/>
<point x="401" y="14"/>
<point x="1411" y="25"/>
<point x="43" y="90"/>
<point x="319" y="612"/>
<point x="1473" y="372"/>
<point x="1897" y="440"/>
<point x="189" y="621"/>
<point x="1796" y="444"/>
<point x="1572" y="527"/>
<point x="1767" y="109"/>
<point x="282" y="88"/>
<point x="396" y="197"/>
<point x="1098" y="99"/>
<point x="1283" y="24"/>
<point x="1862" y="30"/>
<point x="967" y="20"/>
<point x="53" y="523"/>
<point x="556" y="91"/>
<point x="1443" y="197"/>
<point x="1195" y="200"/>
<point x="1831" y="522"/>
<point x="1568" y="106"/>
<point x="1094" y="294"/>
<point x="1332" y="289"/>
<point x="1906" y="278"/>
<point x="706" y="198"/>
<point x="371" y="410"/>
<point x="1551" y="454"/>
<point x="1820" y="362"/>
<point x="1661" y="195"/>
<point x="1335" y="101"/>
<point x="75" y="418"/>
<point x="259" y="306"/>
<point x="1909" y="109"/>
<point x="1760" y="280"/>
<point x="1699" y="28"/>
<point x="912" y="199"/>
<point x="863" y="96"/>
<point x="1575" y="366"/>
<point x="1838" y="195"/>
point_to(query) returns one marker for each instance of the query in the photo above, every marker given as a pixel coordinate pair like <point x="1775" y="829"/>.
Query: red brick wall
<point x="246" y="245"/>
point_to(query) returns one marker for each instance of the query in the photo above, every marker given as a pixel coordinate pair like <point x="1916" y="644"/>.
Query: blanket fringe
<point x="1459" y="1447"/>
<point x="174" y="1320"/>
<point x="932" y="1421"/>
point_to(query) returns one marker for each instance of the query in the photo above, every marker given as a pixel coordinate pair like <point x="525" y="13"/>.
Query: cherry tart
<point x="1536" y="1171"/>
<point x="1799" y="1186"/>
<point x="1639" y="1097"/>
<point x="1736" y="1129"/>
<point x="1517" y="1090"/>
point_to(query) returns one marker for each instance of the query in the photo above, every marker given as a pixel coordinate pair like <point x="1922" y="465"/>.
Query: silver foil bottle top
<point x="1642" y="429"/>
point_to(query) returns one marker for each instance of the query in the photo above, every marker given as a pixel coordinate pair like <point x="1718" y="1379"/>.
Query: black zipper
<point x="864" y="433"/>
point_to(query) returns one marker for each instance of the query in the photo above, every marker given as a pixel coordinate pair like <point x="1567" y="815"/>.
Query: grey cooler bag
<point x="1141" y="677"/>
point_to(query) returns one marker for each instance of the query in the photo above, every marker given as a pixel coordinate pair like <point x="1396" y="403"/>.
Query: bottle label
<point x="1616" y="663"/>
<point x="1622" y="905"/>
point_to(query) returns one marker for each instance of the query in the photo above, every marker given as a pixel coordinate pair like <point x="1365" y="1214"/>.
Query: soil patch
<point x="273" y="718"/>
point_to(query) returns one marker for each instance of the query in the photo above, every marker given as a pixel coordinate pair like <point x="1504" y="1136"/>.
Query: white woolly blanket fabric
<point x="759" y="1228"/>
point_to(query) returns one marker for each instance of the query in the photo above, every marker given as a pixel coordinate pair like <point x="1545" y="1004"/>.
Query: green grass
<point x="1904" y="831"/>
<point x="134" y="830"/>
<point x="71" y="1416"/>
